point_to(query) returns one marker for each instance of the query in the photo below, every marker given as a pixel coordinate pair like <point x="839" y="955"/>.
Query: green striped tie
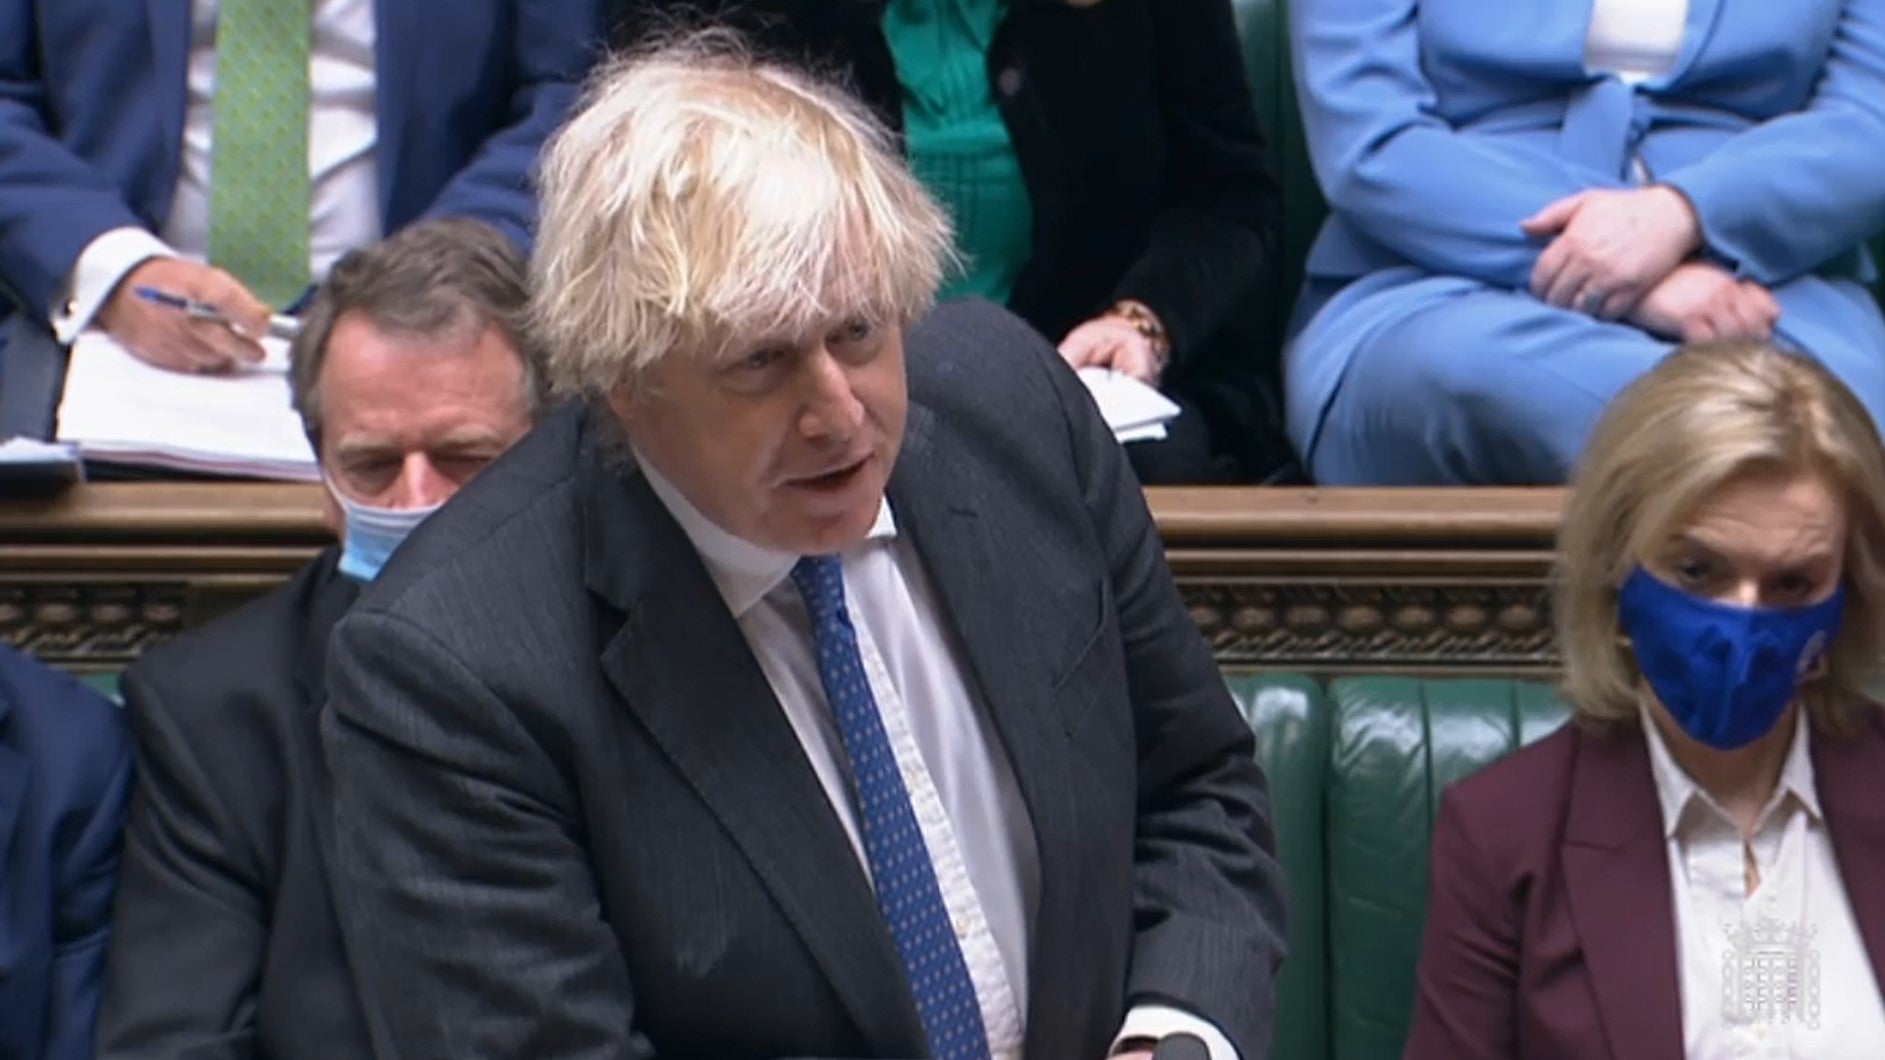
<point x="259" y="183"/>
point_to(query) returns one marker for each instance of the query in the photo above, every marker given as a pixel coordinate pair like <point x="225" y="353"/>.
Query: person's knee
<point x="1434" y="402"/>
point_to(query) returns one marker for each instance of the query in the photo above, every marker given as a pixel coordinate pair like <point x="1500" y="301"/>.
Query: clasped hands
<point x="1627" y="254"/>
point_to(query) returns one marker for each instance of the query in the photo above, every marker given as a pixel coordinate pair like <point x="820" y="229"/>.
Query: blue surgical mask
<point x="373" y="533"/>
<point x="1725" y="673"/>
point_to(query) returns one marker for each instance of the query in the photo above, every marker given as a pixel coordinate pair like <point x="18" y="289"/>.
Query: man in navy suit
<point x="65" y="768"/>
<point x="108" y="117"/>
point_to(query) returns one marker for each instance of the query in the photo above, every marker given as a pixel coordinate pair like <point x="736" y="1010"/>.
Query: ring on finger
<point x="1593" y="303"/>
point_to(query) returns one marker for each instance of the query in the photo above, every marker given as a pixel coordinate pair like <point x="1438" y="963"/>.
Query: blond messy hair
<point x="1701" y="418"/>
<point x="700" y="200"/>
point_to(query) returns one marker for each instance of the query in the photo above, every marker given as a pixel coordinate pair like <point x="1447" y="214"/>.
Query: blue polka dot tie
<point x="907" y="891"/>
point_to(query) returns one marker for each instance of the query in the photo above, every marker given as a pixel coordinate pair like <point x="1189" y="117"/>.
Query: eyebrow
<point x="736" y="352"/>
<point x="469" y="438"/>
<point x="1691" y="540"/>
<point x="458" y="440"/>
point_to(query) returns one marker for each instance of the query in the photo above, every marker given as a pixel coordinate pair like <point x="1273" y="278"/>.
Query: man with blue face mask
<point x="410" y="375"/>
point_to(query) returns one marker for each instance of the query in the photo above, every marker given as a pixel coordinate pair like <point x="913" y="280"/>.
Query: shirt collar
<point x="742" y="571"/>
<point x="1675" y="789"/>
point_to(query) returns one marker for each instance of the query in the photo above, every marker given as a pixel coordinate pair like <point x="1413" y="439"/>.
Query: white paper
<point x="1134" y="411"/>
<point x="17" y="450"/>
<point x="31" y="466"/>
<point x="1151" y="432"/>
<point x="118" y="408"/>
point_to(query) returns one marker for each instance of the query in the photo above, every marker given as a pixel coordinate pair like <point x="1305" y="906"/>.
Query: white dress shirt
<point x="1779" y="974"/>
<point x="343" y="129"/>
<point x="1635" y="39"/>
<point x="961" y="784"/>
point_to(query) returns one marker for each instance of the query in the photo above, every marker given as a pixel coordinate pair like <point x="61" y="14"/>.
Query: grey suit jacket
<point x="225" y="944"/>
<point x="572" y="820"/>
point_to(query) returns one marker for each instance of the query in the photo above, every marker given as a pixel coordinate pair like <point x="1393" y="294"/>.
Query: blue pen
<point x="280" y="325"/>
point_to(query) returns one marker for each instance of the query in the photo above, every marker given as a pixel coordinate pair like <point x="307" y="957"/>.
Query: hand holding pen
<point x="172" y="337"/>
<point x="280" y="325"/>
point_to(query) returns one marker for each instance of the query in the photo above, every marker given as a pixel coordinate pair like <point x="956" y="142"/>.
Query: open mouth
<point x="833" y="481"/>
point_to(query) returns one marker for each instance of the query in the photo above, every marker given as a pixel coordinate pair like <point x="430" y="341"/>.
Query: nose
<point x="831" y="408"/>
<point x="420" y="484"/>
<point x="1743" y="593"/>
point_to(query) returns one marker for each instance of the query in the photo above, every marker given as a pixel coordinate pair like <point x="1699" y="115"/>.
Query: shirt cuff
<point x="1160" y="1021"/>
<point x="103" y="262"/>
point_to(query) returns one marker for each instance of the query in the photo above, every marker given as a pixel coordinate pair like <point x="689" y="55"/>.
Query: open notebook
<point x="117" y="408"/>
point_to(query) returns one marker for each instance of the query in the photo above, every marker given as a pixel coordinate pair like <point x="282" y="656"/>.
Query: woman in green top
<point x="1103" y="166"/>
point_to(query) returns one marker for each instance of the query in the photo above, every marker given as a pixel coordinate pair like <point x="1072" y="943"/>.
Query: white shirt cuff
<point x="103" y="262"/>
<point x="1160" y="1021"/>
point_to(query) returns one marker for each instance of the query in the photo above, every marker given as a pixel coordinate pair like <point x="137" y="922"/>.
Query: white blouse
<point x="1635" y="39"/>
<point x="1779" y="974"/>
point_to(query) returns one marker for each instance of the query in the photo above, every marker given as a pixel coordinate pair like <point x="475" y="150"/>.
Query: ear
<point x="628" y="403"/>
<point x="622" y="402"/>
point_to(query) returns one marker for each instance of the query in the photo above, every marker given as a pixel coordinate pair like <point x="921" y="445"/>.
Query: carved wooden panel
<point x="1305" y="579"/>
<point x="85" y="626"/>
<point x="1355" y="624"/>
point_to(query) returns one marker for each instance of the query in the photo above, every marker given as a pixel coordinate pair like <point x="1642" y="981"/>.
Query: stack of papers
<point x="28" y="466"/>
<point x="1134" y="411"/>
<point x="117" y="408"/>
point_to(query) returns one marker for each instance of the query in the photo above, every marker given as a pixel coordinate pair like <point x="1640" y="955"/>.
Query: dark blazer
<point x="572" y="820"/>
<point x="225" y="942"/>
<point x="1550" y="933"/>
<point x="92" y="96"/>
<point x="1137" y="138"/>
<point x="65" y="768"/>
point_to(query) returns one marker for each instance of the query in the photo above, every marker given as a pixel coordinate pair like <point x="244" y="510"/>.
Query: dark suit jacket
<point x="573" y="821"/>
<point x="1136" y="135"/>
<point x="1550" y="933"/>
<point x="225" y="942"/>
<point x="92" y="96"/>
<point x="65" y="768"/>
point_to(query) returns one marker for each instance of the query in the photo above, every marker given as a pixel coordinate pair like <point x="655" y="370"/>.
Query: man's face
<point x="410" y="419"/>
<point x="789" y="444"/>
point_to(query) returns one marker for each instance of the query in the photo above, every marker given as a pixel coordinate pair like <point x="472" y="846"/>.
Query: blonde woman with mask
<point x="1692" y="867"/>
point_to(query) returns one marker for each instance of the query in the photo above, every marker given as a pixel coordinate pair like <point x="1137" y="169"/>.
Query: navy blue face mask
<point x="1725" y="673"/>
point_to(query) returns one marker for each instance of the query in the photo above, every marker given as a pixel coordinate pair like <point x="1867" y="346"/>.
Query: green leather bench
<point x="1356" y="770"/>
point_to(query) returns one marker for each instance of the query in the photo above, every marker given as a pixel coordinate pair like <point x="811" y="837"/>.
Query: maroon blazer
<point x="1550" y="933"/>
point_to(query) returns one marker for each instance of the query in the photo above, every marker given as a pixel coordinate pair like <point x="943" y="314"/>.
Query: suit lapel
<point x="14" y="768"/>
<point x="330" y="594"/>
<point x="683" y="670"/>
<point x="170" y="85"/>
<point x="937" y="500"/>
<point x="1617" y="878"/>
<point x="398" y="36"/>
<point x="1696" y="31"/>
<point x="1847" y="774"/>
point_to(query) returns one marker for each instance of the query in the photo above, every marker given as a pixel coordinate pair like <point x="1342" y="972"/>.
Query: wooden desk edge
<point x="1204" y="517"/>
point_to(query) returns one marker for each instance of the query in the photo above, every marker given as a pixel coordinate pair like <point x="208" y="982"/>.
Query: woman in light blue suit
<point x="1532" y="202"/>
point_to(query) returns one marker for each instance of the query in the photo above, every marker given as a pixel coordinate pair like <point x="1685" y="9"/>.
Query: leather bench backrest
<point x="1395" y="744"/>
<point x="1291" y="718"/>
